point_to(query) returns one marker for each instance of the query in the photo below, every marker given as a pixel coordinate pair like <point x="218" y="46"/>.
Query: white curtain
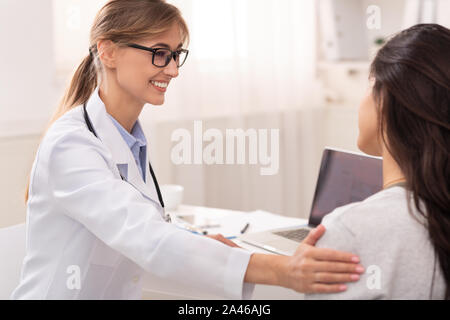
<point x="246" y="56"/>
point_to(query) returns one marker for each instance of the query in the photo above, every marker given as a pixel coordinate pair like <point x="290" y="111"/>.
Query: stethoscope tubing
<point x="91" y="129"/>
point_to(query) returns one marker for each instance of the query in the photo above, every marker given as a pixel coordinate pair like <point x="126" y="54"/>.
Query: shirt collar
<point x="136" y="136"/>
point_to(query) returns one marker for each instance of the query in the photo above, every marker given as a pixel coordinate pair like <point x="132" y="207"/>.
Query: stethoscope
<point x="155" y="181"/>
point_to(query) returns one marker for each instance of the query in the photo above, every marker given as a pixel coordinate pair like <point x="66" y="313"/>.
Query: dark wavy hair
<point x="411" y="76"/>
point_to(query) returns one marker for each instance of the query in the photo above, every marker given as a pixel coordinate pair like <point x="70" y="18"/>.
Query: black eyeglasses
<point x="162" y="56"/>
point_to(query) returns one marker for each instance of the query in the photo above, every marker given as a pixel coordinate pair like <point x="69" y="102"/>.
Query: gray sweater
<point x="394" y="248"/>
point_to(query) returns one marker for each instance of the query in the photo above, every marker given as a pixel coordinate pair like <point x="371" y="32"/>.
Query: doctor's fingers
<point x="326" y="288"/>
<point x="332" y="267"/>
<point x="314" y="235"/>
<point x="331" y="255"/>
<point x="327" y="277"/>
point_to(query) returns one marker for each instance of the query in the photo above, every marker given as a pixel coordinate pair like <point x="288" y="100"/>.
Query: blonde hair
<point x="122" y="22"/>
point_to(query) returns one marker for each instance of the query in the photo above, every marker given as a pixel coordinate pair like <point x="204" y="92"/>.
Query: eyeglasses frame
<point x="155" y="50"/>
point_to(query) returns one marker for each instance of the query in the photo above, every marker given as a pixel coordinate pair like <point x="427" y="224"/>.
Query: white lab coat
<point x="91" y="235"/>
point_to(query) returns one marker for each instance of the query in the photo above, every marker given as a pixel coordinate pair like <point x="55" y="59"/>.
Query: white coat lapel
<point x="121" y="153"/>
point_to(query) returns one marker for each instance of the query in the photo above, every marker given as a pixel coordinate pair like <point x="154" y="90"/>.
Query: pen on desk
<point x="245" y="228"/>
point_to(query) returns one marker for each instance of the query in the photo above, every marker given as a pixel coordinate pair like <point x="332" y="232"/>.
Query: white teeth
<point x="160" y="84"/>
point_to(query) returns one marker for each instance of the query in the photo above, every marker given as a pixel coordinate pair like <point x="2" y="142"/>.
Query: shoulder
<point x="384" y="225"/>
<point x="378" y="217"/>
<point x="70" y="126"/>
<point x="387" y="210"/>
<point x="70" y="123"/>
<point x="70" y="134"/>
<point x="387" y="235"/>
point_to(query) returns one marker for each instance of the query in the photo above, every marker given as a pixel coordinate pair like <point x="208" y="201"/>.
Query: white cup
<point x="172" y="196"/>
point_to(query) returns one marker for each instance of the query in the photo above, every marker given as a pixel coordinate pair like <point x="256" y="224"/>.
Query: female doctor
<point x="95" y="219"/>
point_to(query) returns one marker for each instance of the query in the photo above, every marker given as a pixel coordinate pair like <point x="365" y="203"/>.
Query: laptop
<point x="344" y="177"/>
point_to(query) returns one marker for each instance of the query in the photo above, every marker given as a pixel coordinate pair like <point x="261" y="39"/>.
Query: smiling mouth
<point x="159" y="86"/>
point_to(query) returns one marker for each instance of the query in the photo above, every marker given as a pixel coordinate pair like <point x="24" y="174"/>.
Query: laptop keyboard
<point x="295" y="235"/>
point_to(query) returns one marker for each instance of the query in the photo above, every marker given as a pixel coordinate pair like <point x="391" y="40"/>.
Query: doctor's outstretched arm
<point x="309" y="270"/>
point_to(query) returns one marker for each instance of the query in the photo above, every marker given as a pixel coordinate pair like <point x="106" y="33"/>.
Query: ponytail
<point x="84" y="82"/>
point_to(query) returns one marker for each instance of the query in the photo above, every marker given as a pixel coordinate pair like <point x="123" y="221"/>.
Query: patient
<point x="402" y="234"/>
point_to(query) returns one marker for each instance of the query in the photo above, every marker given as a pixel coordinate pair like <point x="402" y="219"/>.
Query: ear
<point x="107" y="53"/>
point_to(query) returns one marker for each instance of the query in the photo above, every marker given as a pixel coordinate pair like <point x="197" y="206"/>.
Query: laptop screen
<point x="344" y="178"/>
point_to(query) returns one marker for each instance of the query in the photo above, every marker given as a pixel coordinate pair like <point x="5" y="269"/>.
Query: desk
<point x="231" y="222"/>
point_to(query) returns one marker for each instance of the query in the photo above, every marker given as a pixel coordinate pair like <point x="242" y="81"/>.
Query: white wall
<point x="443" y="14"/>
<point x="16" y="161"/>
<point x="27" y="95"/>
<point x="72" y="23"/>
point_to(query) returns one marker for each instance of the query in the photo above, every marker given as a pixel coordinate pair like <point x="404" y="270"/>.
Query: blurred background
<point x="300" y="66"/>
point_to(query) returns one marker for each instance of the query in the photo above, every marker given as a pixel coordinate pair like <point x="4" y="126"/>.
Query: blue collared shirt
<point x="136" y="142"/>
